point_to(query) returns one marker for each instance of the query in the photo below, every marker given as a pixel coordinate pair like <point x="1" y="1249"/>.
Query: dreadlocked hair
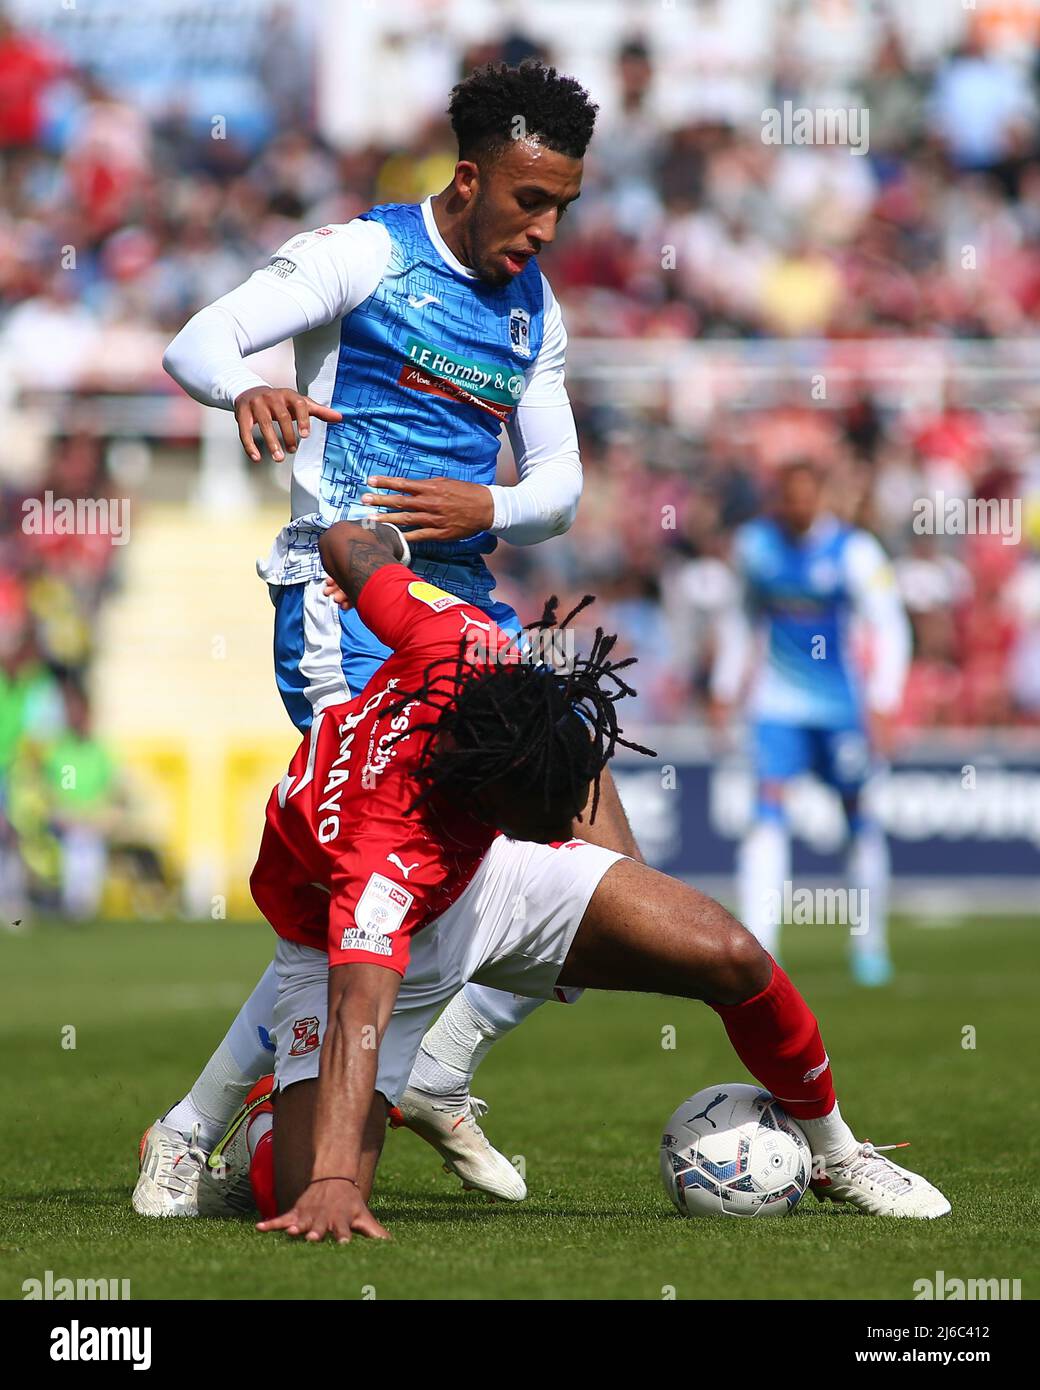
<point x="549" y="732"/>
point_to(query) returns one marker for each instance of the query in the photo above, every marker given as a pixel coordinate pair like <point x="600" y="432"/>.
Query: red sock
<point x="261" y="1177"/>
<point x="777" y="1038"/>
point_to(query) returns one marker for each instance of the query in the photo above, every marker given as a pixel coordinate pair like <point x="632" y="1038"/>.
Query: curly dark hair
<point x="550" y="733"/>
<point x="485" y="108"/>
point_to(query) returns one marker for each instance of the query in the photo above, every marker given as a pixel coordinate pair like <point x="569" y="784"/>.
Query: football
<point x="732" y="1150"/>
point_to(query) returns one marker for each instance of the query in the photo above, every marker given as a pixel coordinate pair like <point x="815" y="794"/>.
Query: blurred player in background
<point x="80" y="777"/>
<point x="419" y="331"/>
<point x="806" y="580"/>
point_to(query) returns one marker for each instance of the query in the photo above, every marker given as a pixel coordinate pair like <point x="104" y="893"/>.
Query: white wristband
<point x="406" y="550"/>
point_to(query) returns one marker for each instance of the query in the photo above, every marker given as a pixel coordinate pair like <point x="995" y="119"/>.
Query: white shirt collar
<point x="442" y="246"/>
<point x="825" y="525"/>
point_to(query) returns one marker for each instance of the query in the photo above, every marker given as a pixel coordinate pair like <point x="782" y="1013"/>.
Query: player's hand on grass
<point x="274" y="409"/>
<point x="333" y="1208"/>
<point x="433" y="509"/>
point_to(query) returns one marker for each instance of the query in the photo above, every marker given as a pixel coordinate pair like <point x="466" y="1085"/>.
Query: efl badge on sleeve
<point x="382" y="906"/>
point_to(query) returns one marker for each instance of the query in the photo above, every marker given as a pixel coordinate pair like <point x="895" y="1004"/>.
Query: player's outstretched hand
<point x="433" y="509"/>
<point x="334" y="1208"/>
<point x="273" y="409"/>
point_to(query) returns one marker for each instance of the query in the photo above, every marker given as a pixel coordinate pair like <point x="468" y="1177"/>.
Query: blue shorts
<point x="323" y="656"/>
<point x="839" y="757"/>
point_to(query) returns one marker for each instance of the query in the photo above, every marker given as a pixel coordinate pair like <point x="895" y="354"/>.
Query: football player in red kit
<point x="422" y="837"/>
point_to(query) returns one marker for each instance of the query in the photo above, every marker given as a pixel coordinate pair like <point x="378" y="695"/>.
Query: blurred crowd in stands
<point x="116" y="224"/>
<point x="59" y="789"/>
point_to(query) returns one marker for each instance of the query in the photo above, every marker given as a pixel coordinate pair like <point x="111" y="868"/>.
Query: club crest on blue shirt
<point x="520" y="331"/>
<point x="824" y="575"/>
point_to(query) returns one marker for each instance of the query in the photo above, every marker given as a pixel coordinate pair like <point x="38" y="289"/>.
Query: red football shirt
<point x="341" y="863"/>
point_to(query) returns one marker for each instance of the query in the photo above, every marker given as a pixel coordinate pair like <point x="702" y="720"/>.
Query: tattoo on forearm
<point x="390" y="537"/>
<point x="364" y="556"/>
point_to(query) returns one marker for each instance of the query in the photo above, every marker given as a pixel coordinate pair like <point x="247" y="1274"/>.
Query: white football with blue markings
<point x="732" y="1150"/>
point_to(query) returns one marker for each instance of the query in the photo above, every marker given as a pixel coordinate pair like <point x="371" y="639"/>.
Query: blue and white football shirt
<point x="425" y="362"/>
<point x="802" y="596"/>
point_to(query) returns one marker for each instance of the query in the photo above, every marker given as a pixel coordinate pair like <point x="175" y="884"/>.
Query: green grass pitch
<point x="581" y="1092"/>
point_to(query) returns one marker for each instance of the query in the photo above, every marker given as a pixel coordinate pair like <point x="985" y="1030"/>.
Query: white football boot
<point x="224" y="1186"/>
<point x="168" y="1182"/>
<point x="453" y="1131"/>
<point x="880" y="1187"/>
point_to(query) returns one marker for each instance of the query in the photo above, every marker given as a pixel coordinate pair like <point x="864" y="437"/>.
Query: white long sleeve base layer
<point x="332" y="276"/>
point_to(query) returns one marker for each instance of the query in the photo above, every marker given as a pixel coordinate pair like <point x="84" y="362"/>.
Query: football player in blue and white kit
<point x="805" y="580"/>
<point x="420" y="330"/>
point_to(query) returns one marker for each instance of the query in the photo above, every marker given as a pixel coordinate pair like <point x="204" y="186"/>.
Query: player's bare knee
<point x="742" y="968"/>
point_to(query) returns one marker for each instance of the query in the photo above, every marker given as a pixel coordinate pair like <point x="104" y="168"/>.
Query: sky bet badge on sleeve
<point x="380" y="911"/>
<point x="429" y="594"/>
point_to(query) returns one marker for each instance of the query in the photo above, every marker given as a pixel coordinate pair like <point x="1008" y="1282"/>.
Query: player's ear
<point x="466" y="180"/>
